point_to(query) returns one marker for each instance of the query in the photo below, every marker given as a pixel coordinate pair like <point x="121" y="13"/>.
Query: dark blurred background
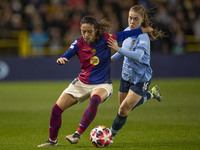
<point x="35" y="29"/>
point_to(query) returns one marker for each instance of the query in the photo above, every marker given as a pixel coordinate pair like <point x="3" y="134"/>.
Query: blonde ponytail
<point x="141" y="10"/>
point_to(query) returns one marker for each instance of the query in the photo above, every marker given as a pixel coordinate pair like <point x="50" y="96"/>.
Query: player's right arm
<point x="62" y="60"/>
<point x="73" y="49"/>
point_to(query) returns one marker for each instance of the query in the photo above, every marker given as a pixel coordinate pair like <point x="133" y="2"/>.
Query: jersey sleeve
<point x="120" y="36"/>
<point x="107" y="36"/>
<point x="73" y="49"/>
<point x="135" y="55"/>
<point x="116" y="56"/>
<point x="138" y="51"/>
<point x="143" y="43"/>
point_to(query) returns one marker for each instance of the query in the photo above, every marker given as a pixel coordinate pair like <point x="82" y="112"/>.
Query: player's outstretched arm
<point x="62" y="60"/>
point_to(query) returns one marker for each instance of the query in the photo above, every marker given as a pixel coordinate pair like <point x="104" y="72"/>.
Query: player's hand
<point x="62" y="60"/>
<point x="113" y="44"/>
<point x="150" y="31"/>
<point x="147" y="30"/>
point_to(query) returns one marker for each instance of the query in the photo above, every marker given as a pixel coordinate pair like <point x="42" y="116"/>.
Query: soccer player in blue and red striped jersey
<point x="94" y="80"/>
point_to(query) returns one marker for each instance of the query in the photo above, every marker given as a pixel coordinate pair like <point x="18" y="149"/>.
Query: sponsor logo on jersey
<point x="72" y="45"/>
<point x="143" y="42"/>
<point x="94" y="60"/>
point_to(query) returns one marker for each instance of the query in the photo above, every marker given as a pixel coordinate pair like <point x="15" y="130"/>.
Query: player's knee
<point x="123" y="112"/>
<point x="95" y="100"/>
<point x="56" y="110"/>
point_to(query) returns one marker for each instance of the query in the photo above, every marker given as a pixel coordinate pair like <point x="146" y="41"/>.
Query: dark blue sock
<point x="139" y="103"/>
<point x="143" y="100"/>
<point x="118" y="123"/>
<point x="148" y="95"/>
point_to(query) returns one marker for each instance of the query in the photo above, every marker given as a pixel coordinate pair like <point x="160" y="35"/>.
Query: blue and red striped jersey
<point x="95" y="58"/>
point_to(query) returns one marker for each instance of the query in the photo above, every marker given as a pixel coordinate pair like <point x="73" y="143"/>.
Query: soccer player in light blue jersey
<point x="136" y="70"/>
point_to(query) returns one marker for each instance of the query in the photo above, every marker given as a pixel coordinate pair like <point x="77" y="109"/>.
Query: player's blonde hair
<point x="102" y="27"/>
<point x="142" y="11"/>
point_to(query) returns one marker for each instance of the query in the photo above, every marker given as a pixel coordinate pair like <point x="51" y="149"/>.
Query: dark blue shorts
<point x="140" y="88"/>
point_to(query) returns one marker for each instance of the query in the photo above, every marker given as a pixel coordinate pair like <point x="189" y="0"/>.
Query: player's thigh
<point x="65" y="101"/>
<point x="101" y="92"/>
<point x="128" y="103"/>
<point x="121" y="96"/>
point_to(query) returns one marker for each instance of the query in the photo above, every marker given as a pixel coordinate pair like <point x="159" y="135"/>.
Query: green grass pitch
<point x="173" y="124"/>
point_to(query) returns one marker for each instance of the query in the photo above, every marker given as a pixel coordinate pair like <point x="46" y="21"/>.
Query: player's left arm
<point x="136" y="54"/>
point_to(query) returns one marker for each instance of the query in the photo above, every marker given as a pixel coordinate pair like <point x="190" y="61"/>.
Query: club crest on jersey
<point x="94" y="60"/>
<point x="133" y="42"/>
<point x="93" y="51"/>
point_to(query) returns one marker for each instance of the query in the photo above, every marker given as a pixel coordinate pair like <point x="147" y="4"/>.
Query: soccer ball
<point x="100" y="136"/>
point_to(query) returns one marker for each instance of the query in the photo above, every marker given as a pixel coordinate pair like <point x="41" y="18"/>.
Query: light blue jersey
<point x="136" y="51"/>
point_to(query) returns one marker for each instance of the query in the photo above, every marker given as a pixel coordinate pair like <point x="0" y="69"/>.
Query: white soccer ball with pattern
<point x="100" y="136"/>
